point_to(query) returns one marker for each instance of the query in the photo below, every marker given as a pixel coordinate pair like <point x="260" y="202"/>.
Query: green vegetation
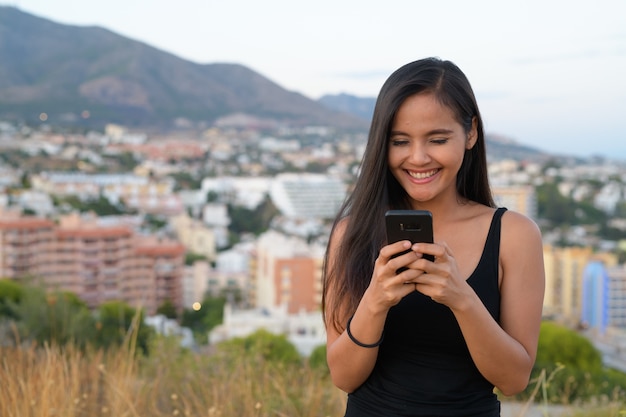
<point x="154" y="222"/>
<point x="168" y="310"/>
<point x="30" y="314"/>
<point x="244" y="220"/>
<point x="186" y="181"/>
<point x="206" y="318"/>
<point x="108" y="363"/>
<point x="101" y="205"/>
<point x="191" y="258"/>
<point x="263" y="346"/>
<point x="570" y="370"/>
<point x="60" y="318"/>
<point x="564" y="212"/>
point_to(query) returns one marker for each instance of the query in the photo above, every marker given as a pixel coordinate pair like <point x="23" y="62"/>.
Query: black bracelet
<point x="356" y="342"/>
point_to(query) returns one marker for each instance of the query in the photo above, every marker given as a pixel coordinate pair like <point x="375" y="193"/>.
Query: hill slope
<point x="66" y="71"/>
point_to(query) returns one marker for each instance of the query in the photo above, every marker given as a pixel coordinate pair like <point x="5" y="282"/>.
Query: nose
<point x="418" y="153"/>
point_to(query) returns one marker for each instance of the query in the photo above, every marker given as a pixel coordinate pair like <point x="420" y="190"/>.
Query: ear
<point x="472" y="135"/>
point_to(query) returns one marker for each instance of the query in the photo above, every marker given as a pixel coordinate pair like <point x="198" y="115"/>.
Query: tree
<point x="560" y="345"/>
<point x="168" y="310"/>
<point x="10" y="294"/>
<point x="117" y="323"/>
<point x="257" y="221"/>
<point x="264" y="345"/>
<point x="569" y="368"/>
<point x="209" y="315"/>
<point x="553" y="206"/>
<point x="53" y="317"/>
<point x="191" y="258"/>
<point x="317" y="359"/>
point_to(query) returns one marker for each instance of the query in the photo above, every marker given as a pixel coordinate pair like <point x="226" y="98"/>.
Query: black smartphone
<point x="413" y="225"/>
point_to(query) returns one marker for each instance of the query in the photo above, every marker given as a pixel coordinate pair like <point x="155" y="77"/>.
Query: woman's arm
<point x="350" y="364"/>
<point x="505" y="353"/>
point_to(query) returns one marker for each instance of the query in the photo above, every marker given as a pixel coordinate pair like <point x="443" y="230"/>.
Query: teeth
<point x="422" y="175"/>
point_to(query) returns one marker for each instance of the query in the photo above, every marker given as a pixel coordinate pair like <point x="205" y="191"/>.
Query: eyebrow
<point x="429" y="133"/>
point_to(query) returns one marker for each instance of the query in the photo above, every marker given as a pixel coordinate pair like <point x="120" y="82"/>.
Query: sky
<point x="547" y="73"/>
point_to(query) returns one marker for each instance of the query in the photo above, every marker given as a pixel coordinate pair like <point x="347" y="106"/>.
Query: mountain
<point x="362" y="107"/>
<point x="93" y="76"/>
<point x="501" y="147"/>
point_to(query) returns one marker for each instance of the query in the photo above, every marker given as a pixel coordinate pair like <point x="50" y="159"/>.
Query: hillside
<point x="93" y="76"/>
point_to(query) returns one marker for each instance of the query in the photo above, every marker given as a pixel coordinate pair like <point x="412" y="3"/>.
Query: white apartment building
<point x="248" y="192"/>
<point x="195" y="283"/>
<point x="308" y="195"/>
<point x="305" y="330"/>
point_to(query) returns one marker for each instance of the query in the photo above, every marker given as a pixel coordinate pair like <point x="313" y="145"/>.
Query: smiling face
<point x="426" y="148"/>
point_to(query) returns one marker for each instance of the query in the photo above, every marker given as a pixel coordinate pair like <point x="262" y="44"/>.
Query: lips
<point x="422" y="175"/>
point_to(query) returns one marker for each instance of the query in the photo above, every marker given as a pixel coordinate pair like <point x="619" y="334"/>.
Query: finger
<point x="404" y="262"/>
<point x="435" y="251"/>
<point x="389" y="251"/>
<point x="410" y="276"/>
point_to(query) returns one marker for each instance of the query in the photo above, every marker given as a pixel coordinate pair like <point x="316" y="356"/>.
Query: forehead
<point x="421" y="109"/>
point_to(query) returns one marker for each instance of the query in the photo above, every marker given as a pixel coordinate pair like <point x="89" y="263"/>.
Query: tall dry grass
<point x="51" y="381"/>
<point x="48" y="381"/>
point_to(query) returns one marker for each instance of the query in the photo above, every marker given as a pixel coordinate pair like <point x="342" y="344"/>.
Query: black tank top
<point x="424" y="368"/>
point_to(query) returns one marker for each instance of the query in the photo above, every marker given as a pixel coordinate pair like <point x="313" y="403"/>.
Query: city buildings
<point x="275" y="277"/>
<point x="97" y="263"/>
<point x="603" y="297"/>
<point x="288" y="272"/>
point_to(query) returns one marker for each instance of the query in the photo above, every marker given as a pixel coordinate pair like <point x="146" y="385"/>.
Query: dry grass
<point x="50" y="381"/>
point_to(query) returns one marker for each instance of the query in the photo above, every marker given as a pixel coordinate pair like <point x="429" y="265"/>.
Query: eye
<point x="398" y="141"/>
<point x="439" y="141"/>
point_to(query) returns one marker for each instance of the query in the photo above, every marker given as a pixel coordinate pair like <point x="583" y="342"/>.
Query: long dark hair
<point x="376" y="190"/>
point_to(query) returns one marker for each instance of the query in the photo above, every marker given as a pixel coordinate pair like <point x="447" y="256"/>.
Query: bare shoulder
<point x="520" y="236"/>
<point x="514" y="223"/>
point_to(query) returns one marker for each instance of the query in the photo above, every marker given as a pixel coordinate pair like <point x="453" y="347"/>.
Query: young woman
<point x="436" y="338"/>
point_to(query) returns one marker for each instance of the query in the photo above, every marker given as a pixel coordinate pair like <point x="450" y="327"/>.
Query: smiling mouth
<point x="422" y="175"/>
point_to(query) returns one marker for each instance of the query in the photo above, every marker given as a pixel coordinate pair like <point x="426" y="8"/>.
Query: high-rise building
<point x="617" y="297"/>
<point x="565" y="270"/>
<point x="288" y="272"/>
<point x="595" y="297"/>
<point x="96" y="263"/>
<point x="308" y="195"/>
<point x="604" y="297"/>
<point x="26" y="246"/>
<point x="518" y="198"/>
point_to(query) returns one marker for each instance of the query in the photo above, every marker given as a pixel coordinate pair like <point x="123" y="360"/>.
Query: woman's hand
<point x="393" y="277"/>
<point x="440" y="280"/>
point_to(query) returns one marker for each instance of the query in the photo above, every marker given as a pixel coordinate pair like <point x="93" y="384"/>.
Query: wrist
<point x="375" y="309"/>
<point x="358" y="342"/>
<point x="467" y="302"/>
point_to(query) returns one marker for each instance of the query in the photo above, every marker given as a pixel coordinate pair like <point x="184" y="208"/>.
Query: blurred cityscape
<point x="242" y="211"/>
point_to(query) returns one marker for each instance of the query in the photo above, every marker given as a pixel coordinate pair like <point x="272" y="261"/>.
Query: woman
<point x="436" y="338"/>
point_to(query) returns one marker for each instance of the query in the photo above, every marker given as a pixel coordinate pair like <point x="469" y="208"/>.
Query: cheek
<point x="394" y="156"/>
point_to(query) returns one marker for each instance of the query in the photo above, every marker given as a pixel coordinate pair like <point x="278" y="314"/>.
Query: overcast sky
<point x="547" y="73"/>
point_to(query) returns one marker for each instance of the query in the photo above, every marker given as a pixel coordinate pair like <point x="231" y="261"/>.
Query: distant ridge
<point x="362" y="107"/>
<point x="92" y="76"/>
<point x="498" y="146"/>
